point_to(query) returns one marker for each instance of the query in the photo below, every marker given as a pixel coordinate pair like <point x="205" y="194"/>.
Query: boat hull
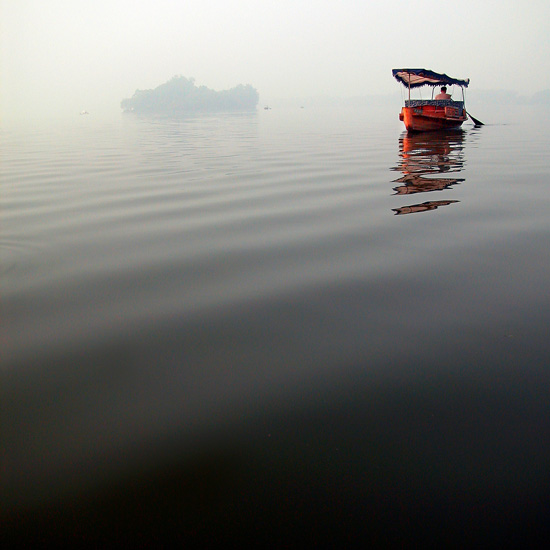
<point x="427" y="118"/>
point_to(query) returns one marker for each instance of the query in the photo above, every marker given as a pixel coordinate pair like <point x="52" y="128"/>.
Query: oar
<point x="475" y="120"/>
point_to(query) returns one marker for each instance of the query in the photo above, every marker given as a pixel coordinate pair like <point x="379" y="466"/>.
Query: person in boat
<point x="443" y="94"/>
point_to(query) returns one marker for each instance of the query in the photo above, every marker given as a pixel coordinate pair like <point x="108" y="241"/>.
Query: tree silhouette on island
<point x="180" y="95"/>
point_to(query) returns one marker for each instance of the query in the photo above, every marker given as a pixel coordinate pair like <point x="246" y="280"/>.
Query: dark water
<point x="282" y="327"/>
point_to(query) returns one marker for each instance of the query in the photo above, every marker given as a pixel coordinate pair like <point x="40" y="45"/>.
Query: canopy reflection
<point x="428" y="162"/>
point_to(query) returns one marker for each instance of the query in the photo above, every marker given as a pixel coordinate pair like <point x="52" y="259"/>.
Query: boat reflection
<point x="425" y="206"/>
<point x="428" y="162"/>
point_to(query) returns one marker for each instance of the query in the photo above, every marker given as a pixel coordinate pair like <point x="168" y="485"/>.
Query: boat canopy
<point x="414" y="78"/>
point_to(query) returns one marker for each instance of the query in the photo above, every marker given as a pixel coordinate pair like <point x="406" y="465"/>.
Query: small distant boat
<point x="424" y="115"/>
<point x="84" y="113"/>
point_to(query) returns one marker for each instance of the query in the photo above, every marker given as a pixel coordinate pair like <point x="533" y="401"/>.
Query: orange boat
<point x="424" y="115"/>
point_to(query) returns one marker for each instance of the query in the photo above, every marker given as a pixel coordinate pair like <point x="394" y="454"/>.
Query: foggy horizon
<point x="68" y="56"/>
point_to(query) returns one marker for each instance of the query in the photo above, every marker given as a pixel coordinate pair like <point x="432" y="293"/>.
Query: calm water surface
<point x="267" y="326"/>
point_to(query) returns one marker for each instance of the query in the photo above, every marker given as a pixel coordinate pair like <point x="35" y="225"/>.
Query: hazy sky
<point x="61" y="55"/>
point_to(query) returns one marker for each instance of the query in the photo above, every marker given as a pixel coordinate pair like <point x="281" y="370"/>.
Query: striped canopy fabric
<point x="424" y="77"/>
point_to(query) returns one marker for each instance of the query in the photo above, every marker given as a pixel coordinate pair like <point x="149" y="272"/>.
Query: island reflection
<point x="428" y="162"/>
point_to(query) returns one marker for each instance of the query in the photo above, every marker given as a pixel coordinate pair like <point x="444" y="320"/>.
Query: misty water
<point x="276" y="323"/>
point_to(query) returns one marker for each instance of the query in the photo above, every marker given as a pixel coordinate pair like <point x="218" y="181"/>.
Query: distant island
<point x="180" y="95"/>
